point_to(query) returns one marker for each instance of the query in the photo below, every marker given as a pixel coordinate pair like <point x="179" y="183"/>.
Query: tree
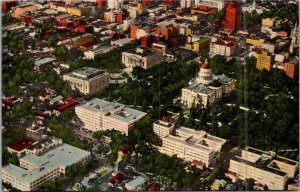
<point x="61" y="53"/>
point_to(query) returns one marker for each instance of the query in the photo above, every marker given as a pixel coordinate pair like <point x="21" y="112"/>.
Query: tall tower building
<point x="233" y="12"/>
<point x="295" y="38"/>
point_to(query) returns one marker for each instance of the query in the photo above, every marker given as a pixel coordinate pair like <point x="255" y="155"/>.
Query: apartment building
<point x="193" y="146"/>
<point x="35" y="170"/>
<point x="82" y="39"/>
<point x="265" y="60"/>
<point x="164" y="127"/>
<point x="291" y="68"/>
<point x="264" y="167"/>
<point x="197" y="44"/>
<point x="207" y="89"/>
<point x="142" y="57"/>
<point x="223" y="45"/>
<point x="98" y="114"/>
<point x="88" y="80"/>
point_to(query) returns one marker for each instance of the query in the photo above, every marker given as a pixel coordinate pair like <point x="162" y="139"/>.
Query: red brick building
<point x="26" y="19"/>
<point x="232" y="20"/>
<point x="291" y="69"/>
<point x="167" y="32"/>
<point x="7" y="5"/>
<point x="101" y="3"/>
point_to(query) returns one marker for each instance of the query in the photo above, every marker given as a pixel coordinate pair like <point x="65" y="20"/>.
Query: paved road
<point x="227" y="154"/>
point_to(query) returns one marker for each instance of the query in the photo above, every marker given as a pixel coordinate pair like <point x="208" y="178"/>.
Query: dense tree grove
<point x="288" y="12"/>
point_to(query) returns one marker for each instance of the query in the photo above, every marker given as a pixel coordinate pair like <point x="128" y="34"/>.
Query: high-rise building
<point x="265" y="60"/>
<point x="233" y="12"/>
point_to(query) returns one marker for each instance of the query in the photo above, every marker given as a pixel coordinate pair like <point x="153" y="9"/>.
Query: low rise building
<point x="136" y="184"/>
<point x="142" y="57"/>
<point x="92" y="53"/>
<point x="207" y="89"/>
<point x="193" y="146"/>
<point x="98" y="114"/>
<point x="82" y="39"/>
<point x="23" y="9"/>
<point x="35" y="170"/>
<point x="197" y="44"/>
<point x="88" y="80"/>
<point x="264" y="167"/>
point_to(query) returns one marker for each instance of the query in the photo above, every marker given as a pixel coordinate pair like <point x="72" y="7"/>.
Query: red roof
<point x="198" y="163"/>
<point x="231" y="173"/>
<point x="89" y="44"/>
<point x="167" y="119"/>
<point x="21" y="145"/>
<point x="127" y="149"/>
<point x="205" y="66"/>
<point x="69" y="102"/>
<point x="9" y="100"/>
<point x="153" y="187"/>
<point x="116" y="179"/>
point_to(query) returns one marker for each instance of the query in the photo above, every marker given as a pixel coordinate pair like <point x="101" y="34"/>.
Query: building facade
<point x="98" y="114"/>
<point x="142" y="57"/>
<point x="207" y="89"/>
<point x="35" y="170"/>
<point x="164" y="127"/>
<point x="88" y="80"/>
<point x="233" y="12"/>
<point x="82" y="39"/>
<point x="264" y="167"/>
<point x="193" y="146"/>
<point x="265" y="60"/>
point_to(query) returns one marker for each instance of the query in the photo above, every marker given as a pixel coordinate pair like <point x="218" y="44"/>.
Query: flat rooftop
<point x="44" y="61"/>
<point x="86" y="73"/>
<point x="260" y="166"/>
<point x="183" y="141"/>
<point x="113" y="109"/>
<point x="63" y="155"/>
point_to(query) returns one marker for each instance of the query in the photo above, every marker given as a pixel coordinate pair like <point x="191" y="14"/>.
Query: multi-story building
<point x="115" y="4"/>
<point x="219" y="4"/>
<point x="23" y="9"/>
<point x="257" y="42"/>
<point x="223" y="45"/>
<point x="295" y="38"/>
<point x="197" y="44"/>
<point x="79" y="11"/>
<point x="264" y="167"/>
<point x="290" y="68"/>
<point x="193" y="146"/>
<point x="35" y="170"/>
<point x="207" y="89"/>
<point x="92" y="53"/>
<point x="265" y="60"/>
<point x="233" y="12"/>
<point x="167" y="29"/>
<point x="187" y="3"/>
<point x="164" y="127"/>
<point x="82" y="39"/>
<point x="98" y="114"/>
<point x="88" y="80"/>
<point x="142" y="57"/>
